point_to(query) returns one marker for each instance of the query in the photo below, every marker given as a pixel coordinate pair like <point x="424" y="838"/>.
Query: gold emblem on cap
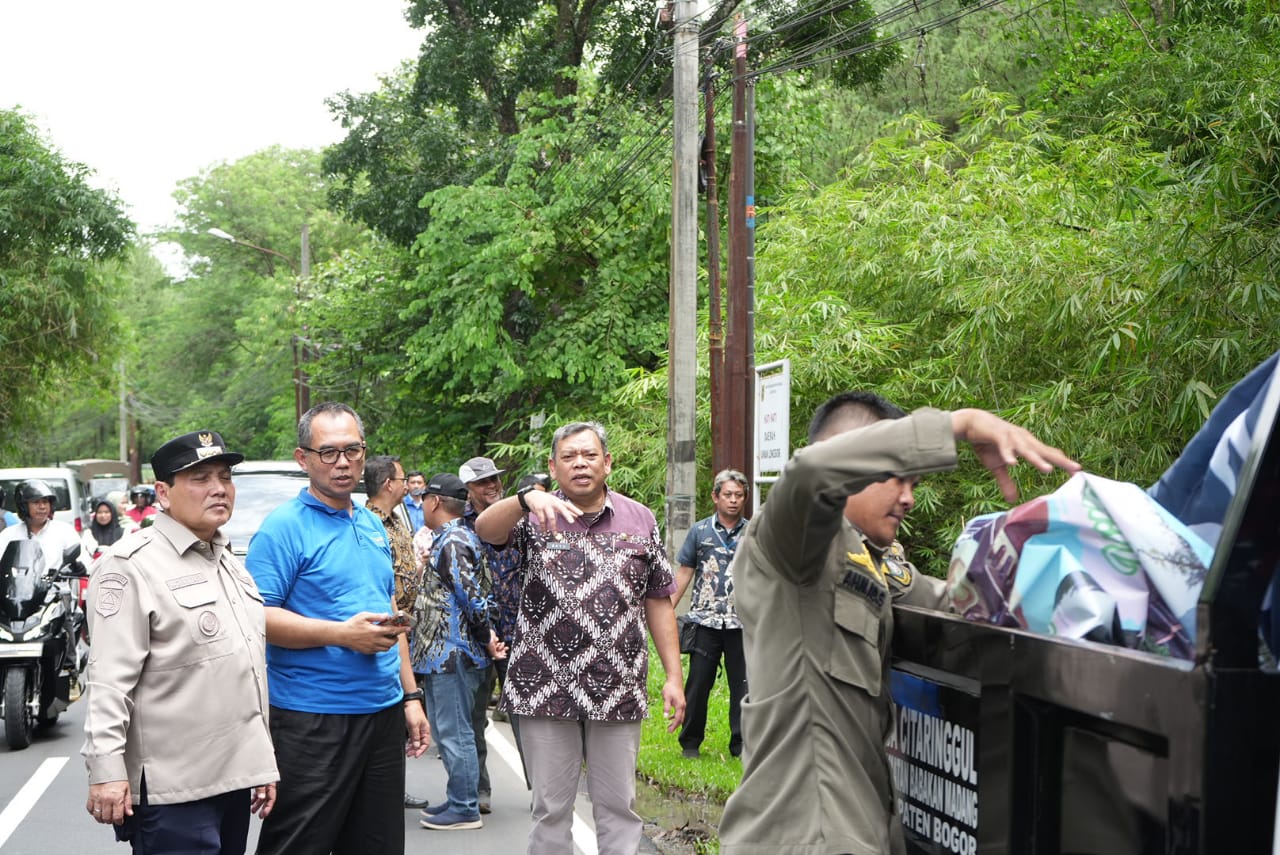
<point x="206" y="439"/>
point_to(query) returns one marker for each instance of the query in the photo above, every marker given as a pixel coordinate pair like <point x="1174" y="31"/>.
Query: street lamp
<point x="301" y="272"/>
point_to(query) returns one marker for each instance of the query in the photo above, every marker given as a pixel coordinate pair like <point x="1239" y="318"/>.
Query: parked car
<point x="261" y="487"/>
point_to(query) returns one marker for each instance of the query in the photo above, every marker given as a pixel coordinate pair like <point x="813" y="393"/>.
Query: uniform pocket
<point x="855" y="657"/>
<point x="200" y="612"/>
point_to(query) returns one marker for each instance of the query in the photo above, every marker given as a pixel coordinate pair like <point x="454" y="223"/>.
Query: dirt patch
<point x="678" y="823"/>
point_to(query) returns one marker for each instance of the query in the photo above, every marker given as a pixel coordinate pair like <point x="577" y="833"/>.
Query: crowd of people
<point x="295" y="685"/>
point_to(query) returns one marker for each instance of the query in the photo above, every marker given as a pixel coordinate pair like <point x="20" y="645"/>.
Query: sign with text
<point x="773" y="417"/>
<point x="933" y="754"/>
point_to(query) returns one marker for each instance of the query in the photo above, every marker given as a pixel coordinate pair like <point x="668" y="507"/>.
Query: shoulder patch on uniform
<point x="110" y="593"/>
<point x="898" y="571"/>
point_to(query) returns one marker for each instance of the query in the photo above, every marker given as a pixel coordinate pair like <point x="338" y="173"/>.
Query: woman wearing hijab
<point x="104" y="528"/>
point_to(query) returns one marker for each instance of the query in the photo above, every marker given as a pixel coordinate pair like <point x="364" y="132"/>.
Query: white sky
<point x="148" y="92"/>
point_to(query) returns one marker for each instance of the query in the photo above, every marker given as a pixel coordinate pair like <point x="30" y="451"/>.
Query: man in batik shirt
<point x="704" y="560"/>
<point x="596" y="573"/>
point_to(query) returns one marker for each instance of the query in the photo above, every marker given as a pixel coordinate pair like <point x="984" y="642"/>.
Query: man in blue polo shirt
<point x="341" y="687"/>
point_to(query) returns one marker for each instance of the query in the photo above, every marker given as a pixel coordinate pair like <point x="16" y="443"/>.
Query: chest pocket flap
<point x="855" y="653"/>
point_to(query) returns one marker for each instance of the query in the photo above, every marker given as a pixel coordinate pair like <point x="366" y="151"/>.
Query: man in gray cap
<point x="500" y="576"/>
<point x="177" y="672"/>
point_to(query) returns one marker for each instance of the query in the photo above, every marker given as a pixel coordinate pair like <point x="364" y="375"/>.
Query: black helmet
<point x="144" y="490"/>
<point x="29" y="491"/>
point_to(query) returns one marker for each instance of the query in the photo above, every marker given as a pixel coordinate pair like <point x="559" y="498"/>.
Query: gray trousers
<point x="554" y="751"/>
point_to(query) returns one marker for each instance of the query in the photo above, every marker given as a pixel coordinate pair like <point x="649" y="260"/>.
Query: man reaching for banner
<point x="816" y="577"/>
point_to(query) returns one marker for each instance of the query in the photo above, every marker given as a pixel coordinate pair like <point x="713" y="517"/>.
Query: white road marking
<point x="25" y="799"/>
<point x="584" y="836"/>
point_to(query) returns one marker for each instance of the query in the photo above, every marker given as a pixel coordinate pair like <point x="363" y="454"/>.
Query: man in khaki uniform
<point x="176" y="737"/>
<point x="817" y="575"/>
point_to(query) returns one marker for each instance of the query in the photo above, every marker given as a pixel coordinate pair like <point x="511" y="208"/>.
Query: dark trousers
<point x="709" y="645"/>
<point x="341" y="784"/>
<point x="479" y="721"/>
<point x="217" y="825"/>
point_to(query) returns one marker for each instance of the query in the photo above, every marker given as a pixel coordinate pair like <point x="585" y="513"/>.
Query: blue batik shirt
<point x="456" y="625"/>
<point x="709" y="549"/>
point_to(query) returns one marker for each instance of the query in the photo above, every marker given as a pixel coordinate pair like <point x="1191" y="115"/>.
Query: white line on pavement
<point x="25" y="799"/>
<point x="584" y="837"/>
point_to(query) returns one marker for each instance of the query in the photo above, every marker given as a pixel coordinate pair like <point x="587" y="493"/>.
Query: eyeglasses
<point x="329" y="456"/>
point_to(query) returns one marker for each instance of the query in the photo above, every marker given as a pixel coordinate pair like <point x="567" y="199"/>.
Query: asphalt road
<point x="43" y="789"/>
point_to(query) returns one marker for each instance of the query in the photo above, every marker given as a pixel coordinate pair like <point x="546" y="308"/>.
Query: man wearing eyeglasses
<point x="342" y="688"/>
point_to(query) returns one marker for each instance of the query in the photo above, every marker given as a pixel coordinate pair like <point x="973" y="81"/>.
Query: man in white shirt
<point x="34" y="500"/>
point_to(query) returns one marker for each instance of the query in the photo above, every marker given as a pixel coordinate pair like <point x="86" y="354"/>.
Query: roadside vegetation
<point x="1066" y="213"/>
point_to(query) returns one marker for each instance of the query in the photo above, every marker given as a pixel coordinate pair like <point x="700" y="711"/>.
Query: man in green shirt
<point x="817" y="575"/>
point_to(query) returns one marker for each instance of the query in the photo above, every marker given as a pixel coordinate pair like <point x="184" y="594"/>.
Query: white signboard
<point x="773" y="418"/>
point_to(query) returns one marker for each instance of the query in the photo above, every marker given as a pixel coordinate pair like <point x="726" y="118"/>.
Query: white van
<point x="70" y="488"/>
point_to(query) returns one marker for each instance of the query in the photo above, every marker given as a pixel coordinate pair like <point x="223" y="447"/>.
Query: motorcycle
<point x="39" y="624"/>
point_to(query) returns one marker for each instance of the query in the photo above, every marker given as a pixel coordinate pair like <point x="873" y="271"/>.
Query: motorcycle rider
<point x="144" y="509"/>
<point x="35" y="500"/>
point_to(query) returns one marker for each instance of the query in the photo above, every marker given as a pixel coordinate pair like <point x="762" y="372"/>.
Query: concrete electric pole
<point x="682" y="363"/>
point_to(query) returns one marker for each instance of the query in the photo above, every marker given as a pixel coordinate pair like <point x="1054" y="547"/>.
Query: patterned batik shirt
<point x="453" y="620"/>
<point x="580" y="649"/>
<point x="403" y="560"/>
<point x="506" y="578"/>
<point x="709" y="549"/>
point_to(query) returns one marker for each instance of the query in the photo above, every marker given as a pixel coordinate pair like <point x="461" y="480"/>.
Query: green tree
<point x="56" y="234"/>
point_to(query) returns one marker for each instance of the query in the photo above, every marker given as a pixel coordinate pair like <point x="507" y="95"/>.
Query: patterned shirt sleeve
<point x="459" y="571"/>
<point x="662" y="583"/>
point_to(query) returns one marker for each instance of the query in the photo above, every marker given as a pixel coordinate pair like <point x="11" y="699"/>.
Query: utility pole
<point x="682" y="366"/>
<point x="302" y="395"/>
<point x="737" y="351"/>
<point x="715" y="319"/>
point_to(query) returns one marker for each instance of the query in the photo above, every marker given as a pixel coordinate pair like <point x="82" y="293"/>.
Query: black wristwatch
<point x="415" y="695"/>
<point x="524" y="506"/>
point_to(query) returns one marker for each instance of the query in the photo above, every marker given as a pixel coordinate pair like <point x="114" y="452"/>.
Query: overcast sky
<point x="148" y="92"/>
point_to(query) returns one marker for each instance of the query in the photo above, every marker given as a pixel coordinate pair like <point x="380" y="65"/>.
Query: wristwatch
<point x="415" y="695"/>
<point x="524" y="506"/>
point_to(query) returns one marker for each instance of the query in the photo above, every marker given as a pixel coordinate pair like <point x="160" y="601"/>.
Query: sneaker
<point x="690" y="754"/>
<point x="435" y="810"/>
<point x="486" y="804"/>
<point x="451" y="821"/>
<point x="412" y="802"/>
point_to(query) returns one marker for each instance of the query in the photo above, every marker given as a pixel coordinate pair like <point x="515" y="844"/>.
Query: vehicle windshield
<point x="260" y="493"/>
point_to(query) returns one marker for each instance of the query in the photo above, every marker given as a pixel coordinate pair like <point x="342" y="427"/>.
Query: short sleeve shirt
<point x="580" y="649"/>
<point x="709" y="549"/>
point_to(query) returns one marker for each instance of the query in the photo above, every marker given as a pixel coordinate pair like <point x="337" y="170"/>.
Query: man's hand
<point x="109" y="802"/>
<point x="673" y="703"/>
<point x="545" y="507"/>
<point x="999" y="444"/>
<point x="264" y="799"/>
<point x="497" y="649"/>
<point x="418" y="738"/>
<point x="369" y="632"/>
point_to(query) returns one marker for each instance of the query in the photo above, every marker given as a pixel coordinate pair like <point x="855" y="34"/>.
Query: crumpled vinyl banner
<point x="1096" y="559"/>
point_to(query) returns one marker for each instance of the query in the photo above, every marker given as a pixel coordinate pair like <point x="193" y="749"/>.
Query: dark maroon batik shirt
<point x="580" y="650"/>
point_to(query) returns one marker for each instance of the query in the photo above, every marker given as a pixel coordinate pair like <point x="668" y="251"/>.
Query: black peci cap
<point x="447" y="484"/>
<point x="188" y="450"/>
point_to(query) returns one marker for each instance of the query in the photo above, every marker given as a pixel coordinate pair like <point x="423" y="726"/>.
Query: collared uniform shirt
<point x="817" y="613"/>
<point x="505" y="577"/>
<point x="177" y="677"/>
<point x="709" y="549"/>
<point x="403" y="562"/>
<point x="580" y="650"/>
<point x="454" y="585"/>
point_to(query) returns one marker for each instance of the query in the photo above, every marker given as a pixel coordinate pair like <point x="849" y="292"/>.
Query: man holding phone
<point x="453" y="655"/>
<point x="342" y="691"/>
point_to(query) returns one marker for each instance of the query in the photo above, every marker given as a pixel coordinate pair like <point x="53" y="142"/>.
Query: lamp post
<point x="301" y="389"/>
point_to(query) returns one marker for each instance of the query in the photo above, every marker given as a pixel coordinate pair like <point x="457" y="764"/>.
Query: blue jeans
<point x="450" y="699"/>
